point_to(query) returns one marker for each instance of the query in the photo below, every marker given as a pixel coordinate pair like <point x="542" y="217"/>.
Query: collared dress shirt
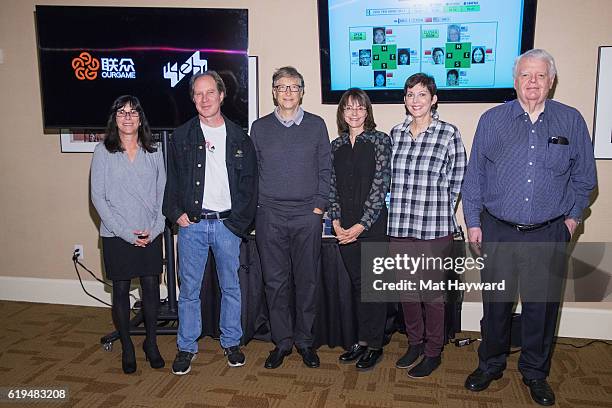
<point x="296" y="120"/>
<point x="529" y="173"/>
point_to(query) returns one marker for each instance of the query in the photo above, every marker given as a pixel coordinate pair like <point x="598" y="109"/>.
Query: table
<point x="335" y="324"/>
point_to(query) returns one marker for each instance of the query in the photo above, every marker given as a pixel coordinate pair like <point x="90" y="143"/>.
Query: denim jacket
<point x="186" y="170"/>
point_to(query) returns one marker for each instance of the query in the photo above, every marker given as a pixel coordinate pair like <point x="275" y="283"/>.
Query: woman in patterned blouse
<point x="359" y="183"/>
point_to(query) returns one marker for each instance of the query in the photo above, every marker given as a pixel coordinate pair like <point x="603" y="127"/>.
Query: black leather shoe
<point x="354" y="353"/>
<point x="276" y="357"/>
<point x="369" y="359"/>
<point x="479" y="380"/>
<point x="412" y="355"/>
<point x="309" y="357"/>
<point x="425" y="367"/>
<point x="540" y="391"/>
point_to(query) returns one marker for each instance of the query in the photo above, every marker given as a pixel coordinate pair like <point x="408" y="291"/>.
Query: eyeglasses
<point x="130" y="114"/>
<point x="284" y="88"/>
<point x="358" y="109"/>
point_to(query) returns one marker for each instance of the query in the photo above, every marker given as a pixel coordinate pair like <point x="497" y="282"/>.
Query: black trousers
<point x="370" y="317"/>
<point x="532" y="264"/>
<point x="289" y="246"/>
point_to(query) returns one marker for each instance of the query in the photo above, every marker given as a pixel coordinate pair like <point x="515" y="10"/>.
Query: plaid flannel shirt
<point x="425" y="180"/>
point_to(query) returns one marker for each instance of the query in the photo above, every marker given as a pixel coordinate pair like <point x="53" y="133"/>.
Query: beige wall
<point x="45" y="198"/>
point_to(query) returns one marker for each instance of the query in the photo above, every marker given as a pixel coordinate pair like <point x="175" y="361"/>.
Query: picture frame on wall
<point x="602" y="123"/>
<point x="79" y="141"/>
<point x="253" y="89"/>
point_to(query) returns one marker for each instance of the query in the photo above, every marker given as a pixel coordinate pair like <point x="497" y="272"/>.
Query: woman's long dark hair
<point x="112" y="141"/>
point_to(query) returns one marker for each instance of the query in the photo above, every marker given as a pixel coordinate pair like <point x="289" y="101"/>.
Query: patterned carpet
<point x="58" y="346"/>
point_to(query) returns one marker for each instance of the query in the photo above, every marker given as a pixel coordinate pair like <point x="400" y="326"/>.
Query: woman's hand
<point x="143" y="238"/>
<point x="338" y="229"/>
<point x="351" y="234"/>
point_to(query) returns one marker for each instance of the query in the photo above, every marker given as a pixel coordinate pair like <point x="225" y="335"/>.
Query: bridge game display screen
<point x="468" y="46"/>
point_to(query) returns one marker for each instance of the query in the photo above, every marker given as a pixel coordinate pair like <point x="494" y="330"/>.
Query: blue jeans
<point x="193" y="244"/>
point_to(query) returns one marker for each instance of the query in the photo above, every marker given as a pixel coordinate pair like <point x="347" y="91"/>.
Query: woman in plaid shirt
<point x="428" y="163"/>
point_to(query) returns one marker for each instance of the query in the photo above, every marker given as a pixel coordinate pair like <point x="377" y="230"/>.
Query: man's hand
<point x="317" y="211"/>
<point x="475" y="239"/>
<point x="571" y="225"/>
<point x="183" y="220"/>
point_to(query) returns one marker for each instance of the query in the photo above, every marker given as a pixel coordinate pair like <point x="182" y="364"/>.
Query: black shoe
<point x="354" y="353"/>
<point x="412" y="355"/>
<point x="235" y="357"/>
<point x="369" y="359"/>
<point x="425" y="367"/>
<point x="479" y="380"/>
<point x="128" y="359"/>
<point x="152" y="355"/>
<point x="276" y="357"/>
<point x="309" y="357"/>
<point x="182" y="362"/>
<point x="540" y="391"/>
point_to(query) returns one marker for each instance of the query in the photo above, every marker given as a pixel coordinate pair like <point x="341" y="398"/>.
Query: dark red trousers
<point x="424" y="312"/>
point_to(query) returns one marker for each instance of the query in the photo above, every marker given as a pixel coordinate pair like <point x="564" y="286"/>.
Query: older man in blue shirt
<point x="528" y="181"/>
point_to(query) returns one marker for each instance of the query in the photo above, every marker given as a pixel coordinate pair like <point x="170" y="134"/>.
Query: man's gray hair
<point x="287" y="72"/>
<point x="540" y="54"/>
<point x="214" y="75"/>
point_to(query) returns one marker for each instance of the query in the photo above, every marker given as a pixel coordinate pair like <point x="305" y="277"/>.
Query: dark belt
<point x="526" y="227"/>
<point x="215" y="215"/>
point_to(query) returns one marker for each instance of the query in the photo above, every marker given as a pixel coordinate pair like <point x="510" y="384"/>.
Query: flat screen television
<point x="468" y="46"/>
<point x="88" y="56"/>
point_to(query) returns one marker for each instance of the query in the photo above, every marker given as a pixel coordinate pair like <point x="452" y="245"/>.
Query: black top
<point x="361" y="175"/>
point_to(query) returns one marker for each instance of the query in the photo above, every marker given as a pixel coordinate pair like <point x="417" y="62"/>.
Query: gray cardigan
<point x="128" y="195"/>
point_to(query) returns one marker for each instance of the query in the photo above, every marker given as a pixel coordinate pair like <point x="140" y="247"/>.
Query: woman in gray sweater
<point x="127" y="189"/>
